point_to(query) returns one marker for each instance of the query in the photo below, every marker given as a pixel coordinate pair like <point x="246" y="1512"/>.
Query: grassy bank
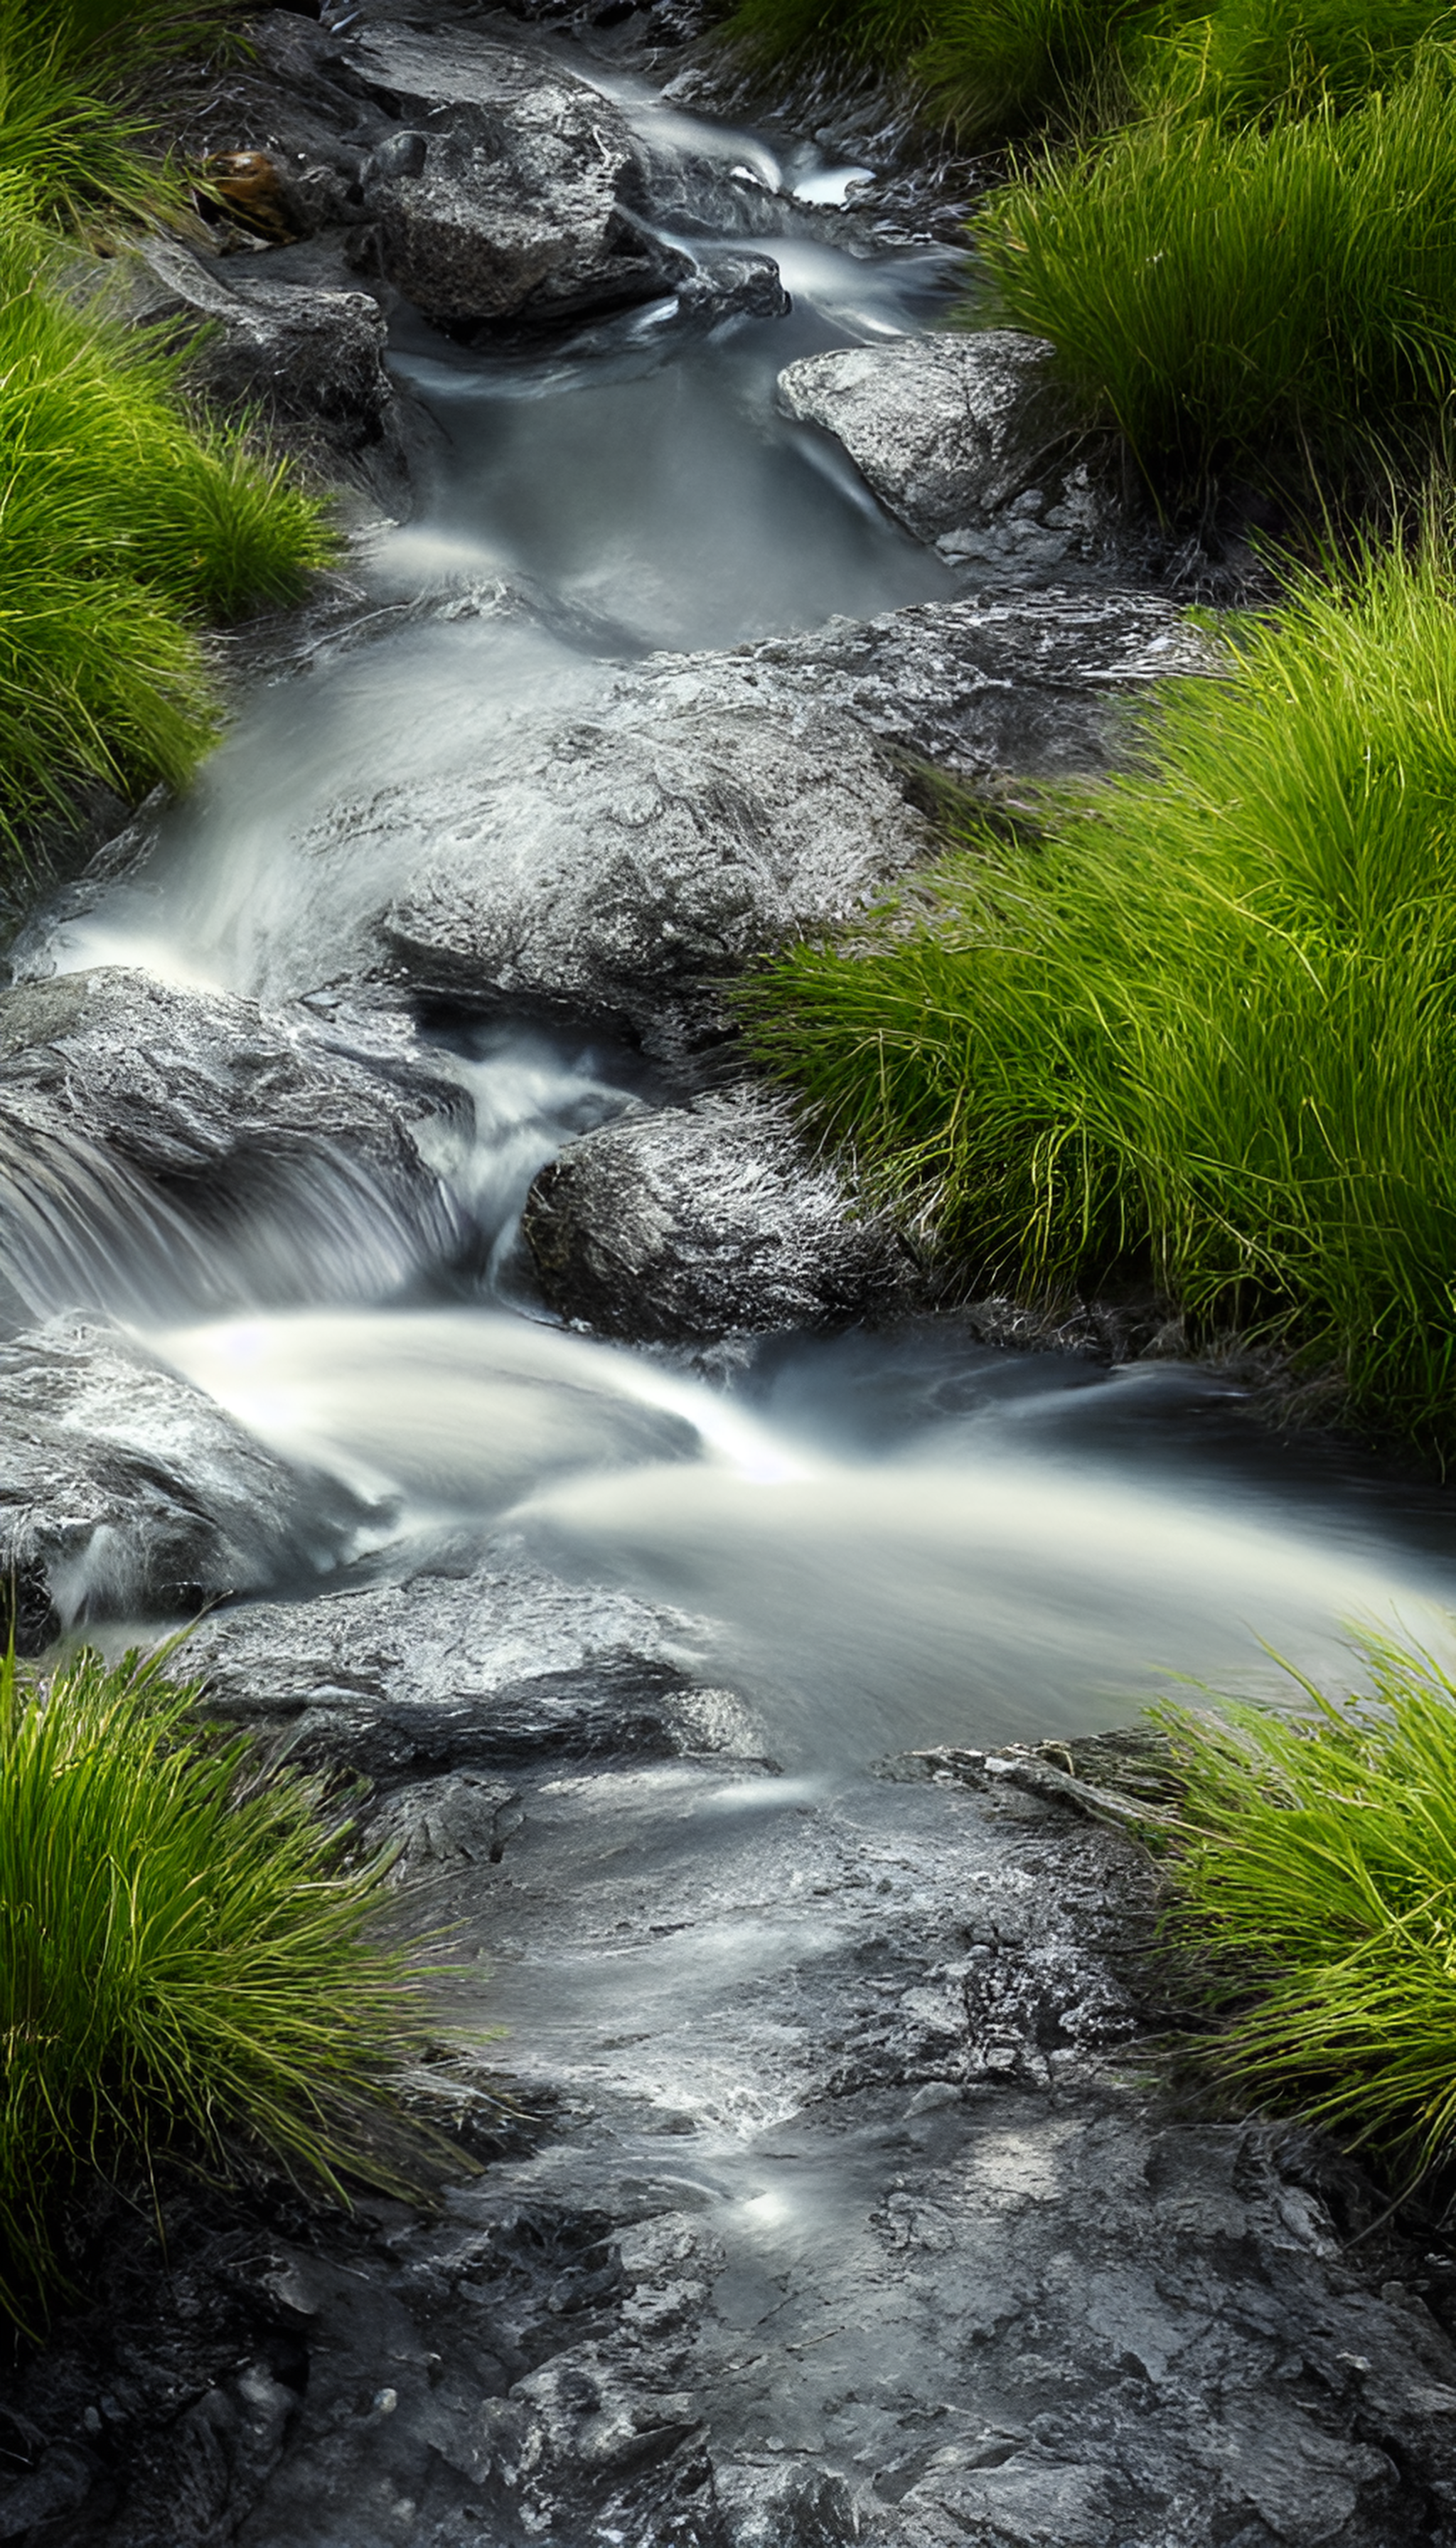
<point x="1278" y="302"/>
<point x="190" y="1962"/>
<point x="1312" y="1906"/>
<point x="1200" y="1033"/>
<point x="130" y="520"/>
<point x="989" y="71"/>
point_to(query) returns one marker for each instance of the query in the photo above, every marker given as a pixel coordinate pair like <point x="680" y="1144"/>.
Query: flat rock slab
<point x="1044" y="684"/>
<point x="497" y="1665"/>
<point x="692" y="1224"/>
<point x="187" y="1146"/>
<point x="959" y="436"/>
<point x="852" y="2212"/>
<point x="126" y="1492"/>
<point x="867" y="2218"/>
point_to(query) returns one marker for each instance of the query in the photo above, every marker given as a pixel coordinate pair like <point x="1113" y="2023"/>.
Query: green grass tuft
<point x="984" y="68"/>
<point x="1203" y="1034"/>
<point x="1265" y="300"/>
<point x="124" y="520"/>
<point x="989" y="69"/>
<point x="189" y="1962"/>
<point x="1313" y="1904"/>
<point x="1249" y="60"/>
<point x="72" y="124"/>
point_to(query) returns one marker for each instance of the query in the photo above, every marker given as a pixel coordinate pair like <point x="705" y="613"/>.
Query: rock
<point x="310" y="359"/>
<point x="965" y="440"/>
<point x="484" y="183"/>
<point x="1031" y="685"/>
<point x="497" y="1666"/>
<point x="695" y="1222"/>
<point x="150" y="1132"/>
<point x="461" y="1817"/>
<point x="734" y="283"/>
<point x="618" y="864"/>
<point x="854" y="2215"/>
<point x="521" y="208"/>
<point x="125" y="1493"/>
<point x="621" y="857"/>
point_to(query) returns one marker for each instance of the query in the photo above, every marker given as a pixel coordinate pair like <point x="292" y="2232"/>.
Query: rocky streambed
<point x="401" y="1264"/>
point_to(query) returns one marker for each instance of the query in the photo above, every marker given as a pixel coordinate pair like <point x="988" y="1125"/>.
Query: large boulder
<point x="484" y="183"/>
<point x="965" y="440"/>
<point x="694" y="1222"/>
<point x="193" y="1140"/>
<point x="126" y="1492"/>
<point x="619" y="865"/>
<point x="619" y="854"/>
<point x="521" y="204"/>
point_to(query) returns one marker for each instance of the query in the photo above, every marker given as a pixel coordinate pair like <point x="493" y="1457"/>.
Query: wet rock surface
<point x="288" y="1139"/>
<point x="881" y="2229"/>
<point x="965" y="440"/>
<point x="620" y="863"/>
<point x="309" y="358"/>
<point x="484" y="183"/>
<point x="691" y="1224"/>
<point x="621" y="860"/>
<point x="488" y="1667"/>
<point x="125" y="1492"/>
<point x="1036" y="685"/>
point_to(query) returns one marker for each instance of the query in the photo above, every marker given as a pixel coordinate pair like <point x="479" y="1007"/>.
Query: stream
<point x="880" y="1541"/>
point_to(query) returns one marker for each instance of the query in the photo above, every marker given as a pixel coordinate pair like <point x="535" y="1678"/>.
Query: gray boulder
<point x="521" y="205"/>
<point x="491" y="1667"/>
<point x="202" y="1145"/>
<point x="967" y="440"/>
<point x="622" y="857"/>
<point x="695" y="1222"/>
<point x="484" y="183"/>
<point x="309" y="358"/>
<point x="619" y="865"/>
<point x="126" y="1492"/>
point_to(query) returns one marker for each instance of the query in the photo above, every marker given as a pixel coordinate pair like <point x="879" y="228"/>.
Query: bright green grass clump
<point x="1203" y="1034"/>
<point x="1313" y="1903"/>
<point x="988" y="69"/>
<point x="984" y="68"/>
<point x="188" y="1961"/>
<point x="1245" y="59"/>
<point x="124" y="521"/>
<point x="70" y="126"/>
<point x="1246" y="298"/>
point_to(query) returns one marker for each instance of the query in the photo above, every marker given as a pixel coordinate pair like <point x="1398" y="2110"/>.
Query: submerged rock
<point x="151" y="1133"/>
<point x="691" y="1224"/>
<point x="966" y="440"/>
<point x="126" y="1492"/>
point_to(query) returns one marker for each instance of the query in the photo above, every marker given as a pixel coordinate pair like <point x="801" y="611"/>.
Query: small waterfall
<point x="82" y="1228"/>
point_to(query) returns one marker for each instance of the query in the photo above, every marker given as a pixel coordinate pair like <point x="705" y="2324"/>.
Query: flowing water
<point x="901" y="1538"/>
<point x="892" y="1539"/>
